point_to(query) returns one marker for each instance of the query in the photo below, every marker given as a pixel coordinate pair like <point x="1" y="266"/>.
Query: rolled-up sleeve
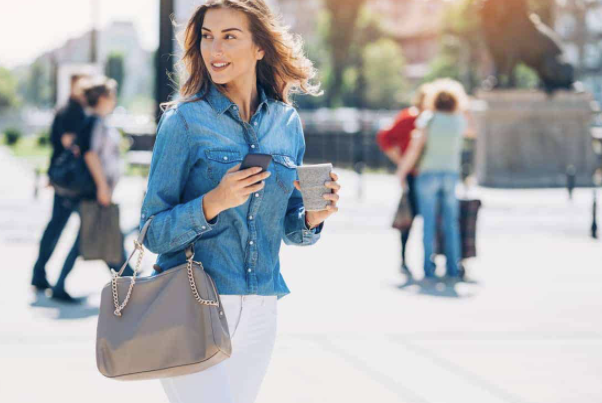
<point x="175" y="224"/>
<point x="296" y="231"/>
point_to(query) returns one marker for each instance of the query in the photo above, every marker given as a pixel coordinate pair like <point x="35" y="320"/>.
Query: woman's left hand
<point x="315" y="218"/>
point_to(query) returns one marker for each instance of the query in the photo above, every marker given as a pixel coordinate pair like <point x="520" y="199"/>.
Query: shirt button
<point x="203" y="227"/>
<point x="252" y="145"/>
<point x="225" y="158"/>
<point x="256" y="194"/>
<point x="255" y="124"/>
<point x="250" y="242"/>
<point x="250" y="217"/>
<point x="249" y="270"/>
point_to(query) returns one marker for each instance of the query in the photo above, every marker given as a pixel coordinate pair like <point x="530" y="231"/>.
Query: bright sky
<point x="31" y="27"/>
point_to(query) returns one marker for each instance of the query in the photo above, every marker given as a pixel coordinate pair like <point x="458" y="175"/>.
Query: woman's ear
<point x="259" y="53"/>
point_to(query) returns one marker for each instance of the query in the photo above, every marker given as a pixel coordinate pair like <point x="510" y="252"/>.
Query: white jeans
<point x="252" y="325"/>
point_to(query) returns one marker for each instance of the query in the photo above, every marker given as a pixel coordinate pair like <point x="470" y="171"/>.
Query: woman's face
<point x="106" y="104"/>
<point x="227" y="46"/>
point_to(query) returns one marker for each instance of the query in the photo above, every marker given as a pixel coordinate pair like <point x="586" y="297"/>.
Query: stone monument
<point x="529" y="139"/>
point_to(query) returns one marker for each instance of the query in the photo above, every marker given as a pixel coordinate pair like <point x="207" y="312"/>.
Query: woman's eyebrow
<point x="224" y="30"/>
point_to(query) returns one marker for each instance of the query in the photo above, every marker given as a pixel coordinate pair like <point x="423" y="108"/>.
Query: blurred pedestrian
<point x="435" y="149"/>
<point x="394" y="142"/>
<point x="242" y="67"/>
<point x="67" y="123"/>
<point x="99" y="146"/>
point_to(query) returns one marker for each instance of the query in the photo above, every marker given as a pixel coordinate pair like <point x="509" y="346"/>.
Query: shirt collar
<point x="221" y="103"/>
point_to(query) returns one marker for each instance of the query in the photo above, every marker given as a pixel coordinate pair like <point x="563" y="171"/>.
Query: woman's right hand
<point x="103" y="196"/>
<point x="234" y="189"/>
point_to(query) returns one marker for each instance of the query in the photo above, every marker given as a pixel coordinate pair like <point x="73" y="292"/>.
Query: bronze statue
<point x="515" y="35"/>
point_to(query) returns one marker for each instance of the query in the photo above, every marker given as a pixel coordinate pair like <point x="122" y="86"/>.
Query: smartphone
<point x="256" y="160"/>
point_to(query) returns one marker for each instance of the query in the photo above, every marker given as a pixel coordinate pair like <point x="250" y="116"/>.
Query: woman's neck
<point x="245" y="95"/>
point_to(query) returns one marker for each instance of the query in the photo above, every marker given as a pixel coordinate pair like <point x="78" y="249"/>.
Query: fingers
<point x="297" y="185"/>
<point x="332" y="196"/>
<point x="252" y="189"/>
<point x="234" y="168"/>
<point x="334" y="176"/>
<point x="254" y="179"/>
<point x="245" y="173"/>
<point x="334" y="186"/>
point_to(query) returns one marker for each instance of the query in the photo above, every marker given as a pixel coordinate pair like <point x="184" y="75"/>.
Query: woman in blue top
<point x="435" y="150"/>
<point x="241" y="67"/>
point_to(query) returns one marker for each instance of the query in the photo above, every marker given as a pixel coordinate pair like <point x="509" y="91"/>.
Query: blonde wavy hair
<point x="284" y="69"/>
<point x="446" y="95"/>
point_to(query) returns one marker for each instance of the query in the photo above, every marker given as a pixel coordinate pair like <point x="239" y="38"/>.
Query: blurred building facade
<point x="579" y="25"/>
<point x="120" y="37"/>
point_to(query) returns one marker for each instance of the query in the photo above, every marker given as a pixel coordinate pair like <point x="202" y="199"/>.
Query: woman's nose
<point x="216" y="48"/>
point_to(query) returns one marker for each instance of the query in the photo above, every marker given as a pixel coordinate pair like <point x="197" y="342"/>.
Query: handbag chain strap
<point x="195" y="291"/>
<point x="139" y="247"/>
<point x="116" y="275"/>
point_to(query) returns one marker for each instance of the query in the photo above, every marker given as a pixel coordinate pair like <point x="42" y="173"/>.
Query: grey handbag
<point x="167" y="325"/>
<point x="100" y="234"/>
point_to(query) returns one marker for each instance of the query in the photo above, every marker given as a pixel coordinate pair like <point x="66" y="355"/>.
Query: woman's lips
<point x="219" y="66"/>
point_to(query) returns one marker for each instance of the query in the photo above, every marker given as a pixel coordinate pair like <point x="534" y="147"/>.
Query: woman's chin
<point x="220" y="79"/>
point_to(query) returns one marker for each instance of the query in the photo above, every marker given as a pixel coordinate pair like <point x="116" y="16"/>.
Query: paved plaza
<point x="525" y="327"/>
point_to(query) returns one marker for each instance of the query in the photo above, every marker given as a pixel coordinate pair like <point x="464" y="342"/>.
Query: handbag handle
<point x="138" y="246"/>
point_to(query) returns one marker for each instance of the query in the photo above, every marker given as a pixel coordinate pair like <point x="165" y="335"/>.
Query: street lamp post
<point x="95" y="10"/>
<point x="164" y="59"/>
<point x="597" y="177"/>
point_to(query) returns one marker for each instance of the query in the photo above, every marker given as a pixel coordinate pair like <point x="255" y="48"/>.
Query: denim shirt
<point x="197" y="142"/>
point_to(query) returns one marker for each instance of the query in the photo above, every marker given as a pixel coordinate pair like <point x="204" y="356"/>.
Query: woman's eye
<point x="206" y="36"/>
<point x="230" y="37"/>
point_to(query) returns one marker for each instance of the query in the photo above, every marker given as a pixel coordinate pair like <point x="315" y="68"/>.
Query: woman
<point x="394" y="142"/>
<point x="437" y="142"/>
<point x="241" y="68"/>
<point x="99" y="144"/>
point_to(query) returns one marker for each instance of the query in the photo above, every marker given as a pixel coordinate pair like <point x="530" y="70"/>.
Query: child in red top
<point x="394" y="142"/>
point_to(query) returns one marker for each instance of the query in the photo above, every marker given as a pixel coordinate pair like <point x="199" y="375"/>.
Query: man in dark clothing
<point x="66" y="125"/>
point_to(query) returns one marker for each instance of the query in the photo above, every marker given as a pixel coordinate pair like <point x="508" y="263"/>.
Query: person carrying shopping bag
<point x="63" y="133"/>
<point x="99" y="145"/>
<point x="241" y="67"/>
<point x="437" y="145"/>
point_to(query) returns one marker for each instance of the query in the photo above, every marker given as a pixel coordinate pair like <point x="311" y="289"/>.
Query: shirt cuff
<point x="315" y="230"/>
<point x="197" y="217"/>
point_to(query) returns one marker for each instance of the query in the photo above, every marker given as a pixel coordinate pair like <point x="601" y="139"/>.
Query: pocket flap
<point x="284" y="160"/>
<point x="224" y="156"/>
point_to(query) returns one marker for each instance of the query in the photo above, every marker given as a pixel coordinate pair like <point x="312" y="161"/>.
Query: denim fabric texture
<point x="436" y="193"/>
<point x="197" y="142"/>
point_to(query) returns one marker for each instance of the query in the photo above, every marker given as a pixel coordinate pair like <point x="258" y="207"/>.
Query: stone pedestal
<point x="528" y="139"/>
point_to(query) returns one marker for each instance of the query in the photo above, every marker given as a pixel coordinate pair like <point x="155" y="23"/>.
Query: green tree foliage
<point x="526" y="77"/>
<point x="115" y="69"/>
<point x="8" y="89"/>
<point x="383" y="65"/>
<point x="371" y="75"/>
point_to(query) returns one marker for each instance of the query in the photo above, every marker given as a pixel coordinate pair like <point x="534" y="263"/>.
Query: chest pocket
<point x="286" y="172"/>
<point x="219" y="161"/>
